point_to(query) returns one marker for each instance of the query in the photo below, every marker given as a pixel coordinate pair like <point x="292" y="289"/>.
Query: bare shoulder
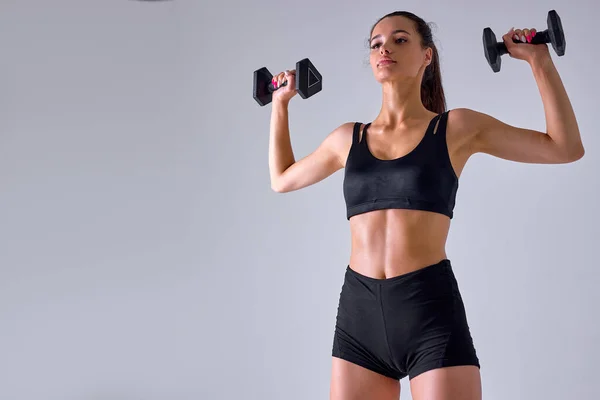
<point x="465" y="128"/>
<point x="462" y="123"/>
<point x="461" y="131"/>
<point x="340" y="141"/>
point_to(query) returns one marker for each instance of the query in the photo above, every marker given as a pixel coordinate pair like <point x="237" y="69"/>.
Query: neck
<point x="401" y="104"/>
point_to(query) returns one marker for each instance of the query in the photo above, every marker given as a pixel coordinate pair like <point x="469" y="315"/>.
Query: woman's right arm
<point x="286" y="173"/>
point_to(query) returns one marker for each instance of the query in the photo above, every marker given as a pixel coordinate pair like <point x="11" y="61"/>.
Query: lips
<point x="386" y="61"/>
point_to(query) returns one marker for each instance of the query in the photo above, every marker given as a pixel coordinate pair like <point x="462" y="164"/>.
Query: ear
<point x="428" y="56"/>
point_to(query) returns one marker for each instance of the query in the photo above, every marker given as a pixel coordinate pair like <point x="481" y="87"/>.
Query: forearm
<point x="561" y="123"/>
<point x="281" y="155"/>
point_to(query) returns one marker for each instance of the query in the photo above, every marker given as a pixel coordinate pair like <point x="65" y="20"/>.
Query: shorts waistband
<point x="444" y="265"/>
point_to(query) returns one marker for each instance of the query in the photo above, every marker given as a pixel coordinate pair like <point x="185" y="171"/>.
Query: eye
<point x="399" y="40"/>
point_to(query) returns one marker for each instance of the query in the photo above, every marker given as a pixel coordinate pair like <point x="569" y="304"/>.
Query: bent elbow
<point x="277" y="187"/>
<point x="576" y="154"/>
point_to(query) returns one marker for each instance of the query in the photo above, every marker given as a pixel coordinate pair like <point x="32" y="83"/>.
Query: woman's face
<point x="396" y="52"/>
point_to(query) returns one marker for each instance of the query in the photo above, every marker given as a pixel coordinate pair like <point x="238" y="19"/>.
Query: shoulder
<point x="339" y="141"/>
<point x="465" y="119"/>
<point x="471" y="122"/>
<point x="463" y="126"/>
<point x="342" y="134"/>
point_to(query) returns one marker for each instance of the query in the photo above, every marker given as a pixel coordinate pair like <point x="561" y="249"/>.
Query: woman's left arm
<point x="561" y="143"/>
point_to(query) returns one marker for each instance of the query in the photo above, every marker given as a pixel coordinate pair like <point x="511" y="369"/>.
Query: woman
<point x="400" y="311"/>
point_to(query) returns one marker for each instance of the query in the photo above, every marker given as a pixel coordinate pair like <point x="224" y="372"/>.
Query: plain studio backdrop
<point x="144" y="256"/>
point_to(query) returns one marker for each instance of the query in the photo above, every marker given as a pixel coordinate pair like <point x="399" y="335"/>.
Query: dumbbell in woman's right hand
<point x="285" y="83"/>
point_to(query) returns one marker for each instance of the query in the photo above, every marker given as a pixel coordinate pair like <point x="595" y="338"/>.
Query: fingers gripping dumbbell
<point x="308" y="82"/>
<point x="555" y="35"/>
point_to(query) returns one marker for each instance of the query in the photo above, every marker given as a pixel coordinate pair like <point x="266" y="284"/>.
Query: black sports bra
<point x="424" y="179"/>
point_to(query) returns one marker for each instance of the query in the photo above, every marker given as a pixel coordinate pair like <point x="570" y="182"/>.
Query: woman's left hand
<point x="524" y="50"/>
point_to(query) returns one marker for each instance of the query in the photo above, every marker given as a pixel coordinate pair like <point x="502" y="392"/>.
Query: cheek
<point x="373" y="62"/>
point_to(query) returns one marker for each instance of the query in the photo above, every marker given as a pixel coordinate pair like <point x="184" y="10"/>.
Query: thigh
<point x="350" y="381"/>
<point x="448" y="383"/>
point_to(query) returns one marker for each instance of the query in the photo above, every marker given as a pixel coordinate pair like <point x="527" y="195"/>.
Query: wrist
<point x="540" y="62"/>
<point x="280" y="103"/>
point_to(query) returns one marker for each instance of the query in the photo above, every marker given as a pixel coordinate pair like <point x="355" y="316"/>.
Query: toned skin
<point x="388" y="243"/>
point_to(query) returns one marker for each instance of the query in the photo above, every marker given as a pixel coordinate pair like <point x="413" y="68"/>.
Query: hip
<point x="427" y="298"/>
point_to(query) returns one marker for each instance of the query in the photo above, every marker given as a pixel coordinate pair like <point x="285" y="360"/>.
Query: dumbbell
<point x="554" y="34"/>
<point x="308" y="82"/>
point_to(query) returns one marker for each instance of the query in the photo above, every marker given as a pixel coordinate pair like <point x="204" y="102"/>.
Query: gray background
<point x="143" y="254"/>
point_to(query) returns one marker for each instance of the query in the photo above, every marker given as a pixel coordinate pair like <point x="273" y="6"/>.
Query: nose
<point x="383" y="50"/>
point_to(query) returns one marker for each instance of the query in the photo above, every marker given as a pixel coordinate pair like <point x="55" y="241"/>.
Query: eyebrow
<point x="396" y="31"/>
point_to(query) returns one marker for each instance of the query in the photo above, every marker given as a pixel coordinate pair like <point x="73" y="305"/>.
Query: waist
<point x="441" y="269"/>
<point x="389" y="243"/>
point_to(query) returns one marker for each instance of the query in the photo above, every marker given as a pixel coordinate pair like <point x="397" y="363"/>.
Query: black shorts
<point x="404" y="325"/>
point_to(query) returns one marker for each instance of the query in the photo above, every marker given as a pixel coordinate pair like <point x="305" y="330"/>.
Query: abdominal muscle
<point x="392" y="242"/>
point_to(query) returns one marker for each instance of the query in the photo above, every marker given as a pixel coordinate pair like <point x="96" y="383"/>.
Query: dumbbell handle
<point x="539" y="38"/>
<point x="272" y="88"/>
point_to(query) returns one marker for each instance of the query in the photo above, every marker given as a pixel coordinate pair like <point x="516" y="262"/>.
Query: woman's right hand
<point x="285" y="93"/>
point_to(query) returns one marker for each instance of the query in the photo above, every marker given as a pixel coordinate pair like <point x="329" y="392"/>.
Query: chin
<point x="385" y="77"/>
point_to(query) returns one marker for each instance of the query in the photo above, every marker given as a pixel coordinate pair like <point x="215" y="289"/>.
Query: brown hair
<point x="432" y="91"/>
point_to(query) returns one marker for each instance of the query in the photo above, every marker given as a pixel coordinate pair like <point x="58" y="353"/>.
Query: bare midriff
<point x="392" y="242"/>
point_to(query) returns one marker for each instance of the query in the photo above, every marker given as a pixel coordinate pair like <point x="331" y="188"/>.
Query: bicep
<point x="325" y="160"/>
<point x="499" y="139"/>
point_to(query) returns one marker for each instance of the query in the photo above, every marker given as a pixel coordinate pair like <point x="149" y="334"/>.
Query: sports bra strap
<point x="441" y="126"/>
<point x="356" y="132"/>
